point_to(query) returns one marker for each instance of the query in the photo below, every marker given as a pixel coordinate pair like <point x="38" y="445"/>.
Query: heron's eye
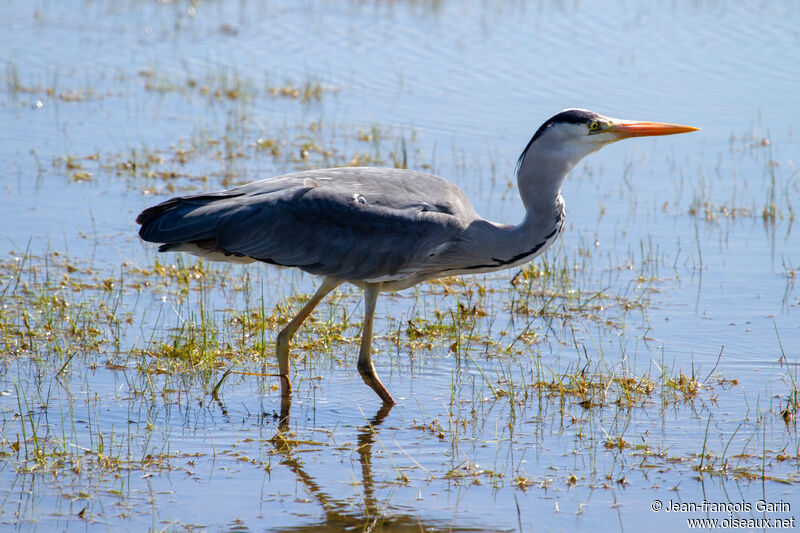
<point x="594" y="126"/>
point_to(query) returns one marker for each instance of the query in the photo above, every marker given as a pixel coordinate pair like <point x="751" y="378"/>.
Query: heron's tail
<point x="186" y="223"/>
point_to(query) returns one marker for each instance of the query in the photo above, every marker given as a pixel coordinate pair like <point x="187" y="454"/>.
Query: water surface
<point x="677" y="250"/>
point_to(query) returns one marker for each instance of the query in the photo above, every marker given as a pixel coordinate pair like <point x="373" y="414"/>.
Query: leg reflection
<point x="286" y="405"/>
<point x="366" y="438"/>
<point x="337" y="512"/>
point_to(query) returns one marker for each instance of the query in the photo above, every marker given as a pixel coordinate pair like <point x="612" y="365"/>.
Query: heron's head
<point x="573" y="134"/>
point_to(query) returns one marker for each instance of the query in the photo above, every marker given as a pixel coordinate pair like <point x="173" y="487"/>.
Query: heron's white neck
<point x="542" y="171"/>
<point x="487" y="246"/>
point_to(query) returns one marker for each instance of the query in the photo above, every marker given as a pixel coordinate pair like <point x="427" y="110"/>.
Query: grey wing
<point x="353" y="224"/>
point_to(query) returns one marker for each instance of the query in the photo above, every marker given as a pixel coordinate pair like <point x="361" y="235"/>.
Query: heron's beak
<point x="628" y="128"/>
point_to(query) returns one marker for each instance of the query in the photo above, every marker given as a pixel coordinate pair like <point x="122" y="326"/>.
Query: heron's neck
<point x="539" y="178"/>
<point x="493" y="246"/>
<point x="488" y="246"/>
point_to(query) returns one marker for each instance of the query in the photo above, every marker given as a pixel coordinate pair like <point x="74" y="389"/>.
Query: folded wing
<point x="353" y="224"/>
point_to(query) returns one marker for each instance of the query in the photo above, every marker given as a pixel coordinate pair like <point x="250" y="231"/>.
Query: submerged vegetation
<point x="780" y="184"/>
<point x="72" y="348"/>
<point x="547" y="379"/>
<point x="225" y="160"/>
<point x="641" y="357"/>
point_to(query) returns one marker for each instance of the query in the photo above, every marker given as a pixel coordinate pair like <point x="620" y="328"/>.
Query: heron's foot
<point x="370" y="377"/>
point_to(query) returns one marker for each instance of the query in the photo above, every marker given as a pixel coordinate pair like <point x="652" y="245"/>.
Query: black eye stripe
<point x="570" y="116"/>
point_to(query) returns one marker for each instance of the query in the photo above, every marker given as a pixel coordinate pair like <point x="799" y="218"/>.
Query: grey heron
<point x="384" y="229"/>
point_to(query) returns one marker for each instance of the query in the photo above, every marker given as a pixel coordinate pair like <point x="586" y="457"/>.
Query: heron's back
<point x="356" y="224"/>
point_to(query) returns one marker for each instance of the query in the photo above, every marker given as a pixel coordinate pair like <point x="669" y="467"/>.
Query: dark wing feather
<point x="182" y="219"/>
<point x="353" y="224"/>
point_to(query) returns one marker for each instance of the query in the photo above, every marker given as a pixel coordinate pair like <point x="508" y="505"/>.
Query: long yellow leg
<point x="365" y="366"/>
<point x="286" y="334"/>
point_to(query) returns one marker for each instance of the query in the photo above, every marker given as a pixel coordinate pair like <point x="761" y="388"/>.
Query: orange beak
<point x="628" y="128"/>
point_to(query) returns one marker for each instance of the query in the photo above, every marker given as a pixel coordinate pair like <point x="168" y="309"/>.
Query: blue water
<point x="464" y="85"/>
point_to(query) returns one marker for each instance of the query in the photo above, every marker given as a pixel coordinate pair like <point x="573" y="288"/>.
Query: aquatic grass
<point x="308" y="91"/>
<point x="779" y="185"/>
<point x="44" y="310"/>
<point x="225" y="131"/>
<point x="220" y="84"/>
<point x="789" y="413"/>
<point x="551" y="290"/>
<point x="12" y="80"/>
<point x="227" y="152"/>
<point x="49" y="88"/>
<point x="559" y="378"/>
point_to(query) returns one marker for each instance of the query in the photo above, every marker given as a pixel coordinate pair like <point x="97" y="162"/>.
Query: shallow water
<point x="669" y="259"/>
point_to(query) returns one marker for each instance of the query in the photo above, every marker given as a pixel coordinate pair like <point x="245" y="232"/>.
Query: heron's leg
<point x="286" y="334"/>
<point x="365" y="366"/>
